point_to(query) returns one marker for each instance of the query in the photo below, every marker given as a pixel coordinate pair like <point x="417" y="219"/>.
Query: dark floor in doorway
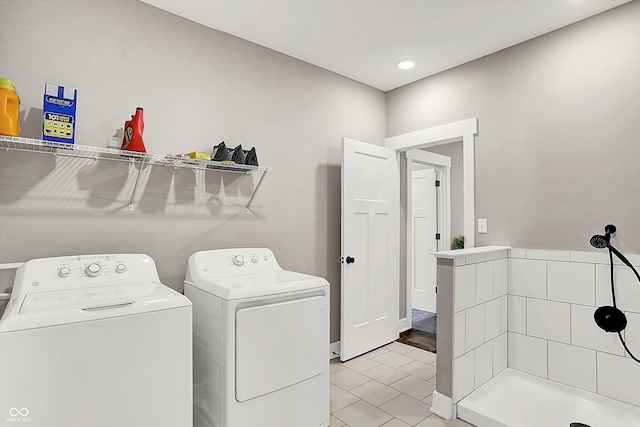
<point x="423" y="334"/>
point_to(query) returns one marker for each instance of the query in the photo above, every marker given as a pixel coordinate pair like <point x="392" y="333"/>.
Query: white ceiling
<point x="364" y="39"/>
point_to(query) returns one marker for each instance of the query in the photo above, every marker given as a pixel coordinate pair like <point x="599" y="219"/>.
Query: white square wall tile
<point x="603" y="285"/>
<point x="517" y="314"/>
<point x="585" y="332"/>
<point x="517" y="253"/>
<point x="474" y="327"/>
<point x="459" y="333"/>
<point x="573" y="366"/>
<point x="499" y="354"/>
<point x="600" y="257"/>
<point x="500" y="277"/>
<point x="528" y="278"/>
<point x="492" y="318"/>
<point x="484" y="282"/>
<point x="464" y="293"/>
<point x="483" y="363"/>
<point x="632" y="333"/>
<point x="549" y="320"/>
<point x="627" y="289"/>
<point x="475" y="258"/>
<point x="618" y="378"/>
<point x="572" y="282"/>
<point x="528" y="354"/>
<point x="503" y="314"/>
<point x="492" y="256"/>
<point x="463" y="376"/>
<point x="547" y="255"/>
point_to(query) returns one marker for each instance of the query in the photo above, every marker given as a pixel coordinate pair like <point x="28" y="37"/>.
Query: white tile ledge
<point x="471" y="251"/>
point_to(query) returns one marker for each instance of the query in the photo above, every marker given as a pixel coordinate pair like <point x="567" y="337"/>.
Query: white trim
<point x="334" y="350"/>
<point x="443" y="165"/>
<point x="464" y="131"/>
<point x="469" y="190"/>
<point x="443" y="406"/>
<point x="405" y="323"/>
<point x="428" y="158"/>
<point x="430" y="137"/>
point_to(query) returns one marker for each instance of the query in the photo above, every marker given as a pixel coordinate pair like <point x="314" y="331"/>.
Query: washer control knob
<point x="64" y="272"/>
<point x="121" y="268"/>
<point x="93" y="270"/>
<point x="238" y="260"/>
<point x="255" y="259"/>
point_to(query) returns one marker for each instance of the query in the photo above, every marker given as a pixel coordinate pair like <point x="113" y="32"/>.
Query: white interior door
<point x="423" y="239"/>
<point x="370" y="247"/>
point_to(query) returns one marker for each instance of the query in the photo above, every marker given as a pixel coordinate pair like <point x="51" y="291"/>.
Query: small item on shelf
<point x="9" y="109"/>
<point x="220" y="153"/>
<point x="59" y="113"/>
<point x="198" y="155"/>
<point x="251" y="158"/>
<point x="237" y="156"/>
<point x="133" y="130"/>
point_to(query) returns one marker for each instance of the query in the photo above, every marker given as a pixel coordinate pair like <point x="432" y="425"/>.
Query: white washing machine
<point x="95" y="341"/>
<point x="261" y="341"/>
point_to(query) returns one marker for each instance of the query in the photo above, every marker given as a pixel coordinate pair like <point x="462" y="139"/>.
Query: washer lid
<point x="42" y="309"/>
<point x="257" y="285"/>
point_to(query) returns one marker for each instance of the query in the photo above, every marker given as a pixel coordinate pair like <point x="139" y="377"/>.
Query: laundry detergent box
<point x="59" y="114"/>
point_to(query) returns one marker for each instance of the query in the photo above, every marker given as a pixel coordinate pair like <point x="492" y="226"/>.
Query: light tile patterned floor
<point x="388" y="387"/>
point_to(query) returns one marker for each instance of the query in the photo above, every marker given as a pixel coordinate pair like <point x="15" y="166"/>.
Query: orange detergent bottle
<point x="9" y="109"/>
<point x="133" y="130"/>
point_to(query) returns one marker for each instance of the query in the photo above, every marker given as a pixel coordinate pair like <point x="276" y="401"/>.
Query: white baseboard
<point x="404" y="325"/>
<point x="334" y="350"/>
<point x="443" y="406"/>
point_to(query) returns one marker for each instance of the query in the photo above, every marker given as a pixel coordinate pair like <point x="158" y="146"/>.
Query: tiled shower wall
<point x="479" y="320"/>
<point x="552" y="296"/>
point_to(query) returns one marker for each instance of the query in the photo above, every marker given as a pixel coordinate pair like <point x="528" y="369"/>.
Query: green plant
<point x="457" y="242"/>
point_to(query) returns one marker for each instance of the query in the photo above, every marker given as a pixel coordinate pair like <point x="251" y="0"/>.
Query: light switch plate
<point x="482" y="225"/>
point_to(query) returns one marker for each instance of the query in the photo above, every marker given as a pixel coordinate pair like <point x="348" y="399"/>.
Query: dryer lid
<point x="42" y="309"/>
<point x="258" y="285"/>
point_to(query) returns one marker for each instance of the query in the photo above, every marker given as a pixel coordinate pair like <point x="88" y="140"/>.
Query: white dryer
<point x="95" y="341"/>
<point x="261" y="341"/>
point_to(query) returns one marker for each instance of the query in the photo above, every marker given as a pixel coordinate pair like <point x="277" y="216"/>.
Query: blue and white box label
<point x="59" y="114"/>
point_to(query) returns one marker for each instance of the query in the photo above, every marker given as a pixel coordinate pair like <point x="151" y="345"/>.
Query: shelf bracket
<point x="246" y="210"/>
<point x="135" y="186"/>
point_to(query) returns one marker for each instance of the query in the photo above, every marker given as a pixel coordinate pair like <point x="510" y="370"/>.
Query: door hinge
<point x="437" y="236"/>
<point x="437" y="183"/>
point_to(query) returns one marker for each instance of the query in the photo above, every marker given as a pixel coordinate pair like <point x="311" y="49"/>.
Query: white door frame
<point x="442" y="164"/>
<point x="465" y="131"/>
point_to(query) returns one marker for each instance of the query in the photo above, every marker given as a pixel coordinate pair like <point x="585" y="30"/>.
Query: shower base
<point x="516" y="399"/>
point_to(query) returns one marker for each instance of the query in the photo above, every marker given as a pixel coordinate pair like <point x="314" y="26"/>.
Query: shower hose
<point x="613" y="296"/>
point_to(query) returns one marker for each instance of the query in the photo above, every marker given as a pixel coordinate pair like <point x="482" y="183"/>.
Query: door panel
<point x="370" y="235"/>
<point x="423" y="196"/>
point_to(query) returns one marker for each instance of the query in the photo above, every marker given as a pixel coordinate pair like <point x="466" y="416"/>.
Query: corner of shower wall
<point x="472" y="320"/>
<point x="552" y="296"/>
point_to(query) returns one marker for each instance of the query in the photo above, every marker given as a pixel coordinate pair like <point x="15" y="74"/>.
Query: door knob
<point x="350" y="260"/>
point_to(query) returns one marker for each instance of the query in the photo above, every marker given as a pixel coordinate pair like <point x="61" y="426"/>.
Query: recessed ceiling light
<point x="406" y="64"/>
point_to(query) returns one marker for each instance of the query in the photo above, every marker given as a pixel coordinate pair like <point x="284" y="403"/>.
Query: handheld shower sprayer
<point x="611" y="318"/>
<point x="602" y="241"/>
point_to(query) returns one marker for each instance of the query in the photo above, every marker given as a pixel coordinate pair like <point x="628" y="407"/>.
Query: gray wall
<point x="198" y="87"/>
<point x="557" y="155"/>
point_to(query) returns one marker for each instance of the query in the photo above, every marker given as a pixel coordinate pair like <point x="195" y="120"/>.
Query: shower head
<point x="601" y="242"/>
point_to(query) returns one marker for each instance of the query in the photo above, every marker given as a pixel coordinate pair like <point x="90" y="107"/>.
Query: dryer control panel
<point x="84" y="271"/>
<point x="234" y="262"/>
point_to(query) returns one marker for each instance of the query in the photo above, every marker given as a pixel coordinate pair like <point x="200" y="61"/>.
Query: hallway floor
<point x="390" y="387"/>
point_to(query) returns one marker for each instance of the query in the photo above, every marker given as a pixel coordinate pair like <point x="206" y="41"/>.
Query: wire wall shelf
<point x="104" y="153"/>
